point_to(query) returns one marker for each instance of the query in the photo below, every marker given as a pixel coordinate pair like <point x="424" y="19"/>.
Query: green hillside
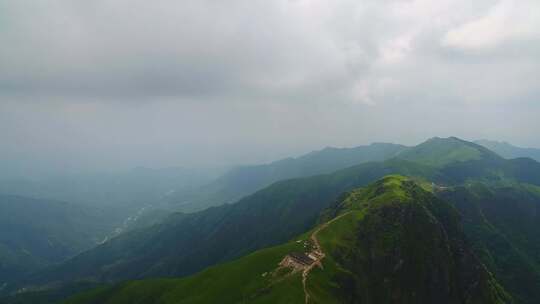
<point x="401" y="244"/>
<point x="35" y="233"/>
<point x="440" y="152"/>
<point x="187" y="243"/>
<point x="507" y="150"/>
<point x="227" y="283"/>
<point x="391" y="242"/>
<point x="503" y="225"/>
<point x="246" y="180"/>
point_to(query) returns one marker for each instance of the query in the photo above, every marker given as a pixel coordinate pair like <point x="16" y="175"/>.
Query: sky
<point x="114" y="84"/>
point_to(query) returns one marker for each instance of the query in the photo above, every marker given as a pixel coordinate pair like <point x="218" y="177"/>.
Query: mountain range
<point x="245" y="180"/>
<point x="35" y="233"/>
<point x="375" y="238"/>
<point x="507" y="150"/>
<point x="482" y="205"/>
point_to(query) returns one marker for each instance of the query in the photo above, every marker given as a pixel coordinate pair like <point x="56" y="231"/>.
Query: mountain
<point x="462" y="161"/>
<point x="507" y="150"/>
<point x="246" y="180"/>
<point x="35" y="233"/>
<point x="392" y="242"/>
<point x="187" y="243"/>
<point x="503" y="223"/>
<point x="440" y="152"/>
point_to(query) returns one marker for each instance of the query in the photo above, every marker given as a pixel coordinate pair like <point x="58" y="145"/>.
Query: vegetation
<point x="440" y="152"/>
<point x="36" y="233"/>
<point x="502" y="224"/>
<point x="375" y="254"/>
<point x="187" y="243"/>
<point x="247" y="279"/>
<point x="507" y="150"/>
<point x="246" y="180"/>
<point x="391" y="247"/>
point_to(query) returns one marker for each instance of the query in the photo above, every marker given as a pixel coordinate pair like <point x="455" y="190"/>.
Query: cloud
<point x="166" y="80"/>
<point x="206" y="50"/>
<point x="189" y="49"/>
<point x="505" y="22"/>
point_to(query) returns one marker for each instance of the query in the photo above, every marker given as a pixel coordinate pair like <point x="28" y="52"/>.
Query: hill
<point x="440" y="152"/>
<point x="187" y="243"/>
<point x="507" y="150"/>
<point x="246" y="180"/>
<point x="502" y="223"/>
<point x="461" y="161"/>
<point x="390" y="242"/>
<point x="35" y="233"/>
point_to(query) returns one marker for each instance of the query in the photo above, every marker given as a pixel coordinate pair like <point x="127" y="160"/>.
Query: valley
<point x="259" y="278"/>
<point x="269" y="152"/>
<point x="184" y="245"/>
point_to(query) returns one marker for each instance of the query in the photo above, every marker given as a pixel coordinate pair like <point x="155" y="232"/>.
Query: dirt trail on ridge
<point x="318" y="252"/>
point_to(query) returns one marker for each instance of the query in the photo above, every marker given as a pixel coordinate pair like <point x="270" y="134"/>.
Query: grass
<point x="239" y="281"/>
<point x="391" y="221"/>
<point x="350" y="267"/>
<point x="439" y="152"/>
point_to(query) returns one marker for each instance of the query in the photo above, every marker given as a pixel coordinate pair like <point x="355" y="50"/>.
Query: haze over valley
<point x="279" y="151"/>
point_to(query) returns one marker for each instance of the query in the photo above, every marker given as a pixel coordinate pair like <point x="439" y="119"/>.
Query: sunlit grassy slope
<point x="247" y="278"/>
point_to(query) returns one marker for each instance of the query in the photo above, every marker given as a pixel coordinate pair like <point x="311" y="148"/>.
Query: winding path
<point x="319" y="253"/>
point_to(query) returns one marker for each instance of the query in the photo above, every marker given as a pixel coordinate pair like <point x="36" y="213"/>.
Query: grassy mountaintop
<point x="443" y="151"/>
<point x="390" y="242"/>
<point x="403" y="245"/>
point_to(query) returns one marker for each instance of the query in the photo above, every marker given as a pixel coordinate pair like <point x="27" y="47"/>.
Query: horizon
<point x="225" y="168"/>
<point x="269" y="151"/>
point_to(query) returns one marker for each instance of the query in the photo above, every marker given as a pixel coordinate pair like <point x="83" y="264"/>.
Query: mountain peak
<point x="440" y="152"/>
<point x="446" y="139"/>
<point x="366" y="254"/>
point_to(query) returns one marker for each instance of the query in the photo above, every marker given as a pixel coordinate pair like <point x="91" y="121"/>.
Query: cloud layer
<point x="170" y="80"/>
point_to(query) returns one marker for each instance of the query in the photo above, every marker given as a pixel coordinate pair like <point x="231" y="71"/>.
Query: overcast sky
<point x="120" y="83"/>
